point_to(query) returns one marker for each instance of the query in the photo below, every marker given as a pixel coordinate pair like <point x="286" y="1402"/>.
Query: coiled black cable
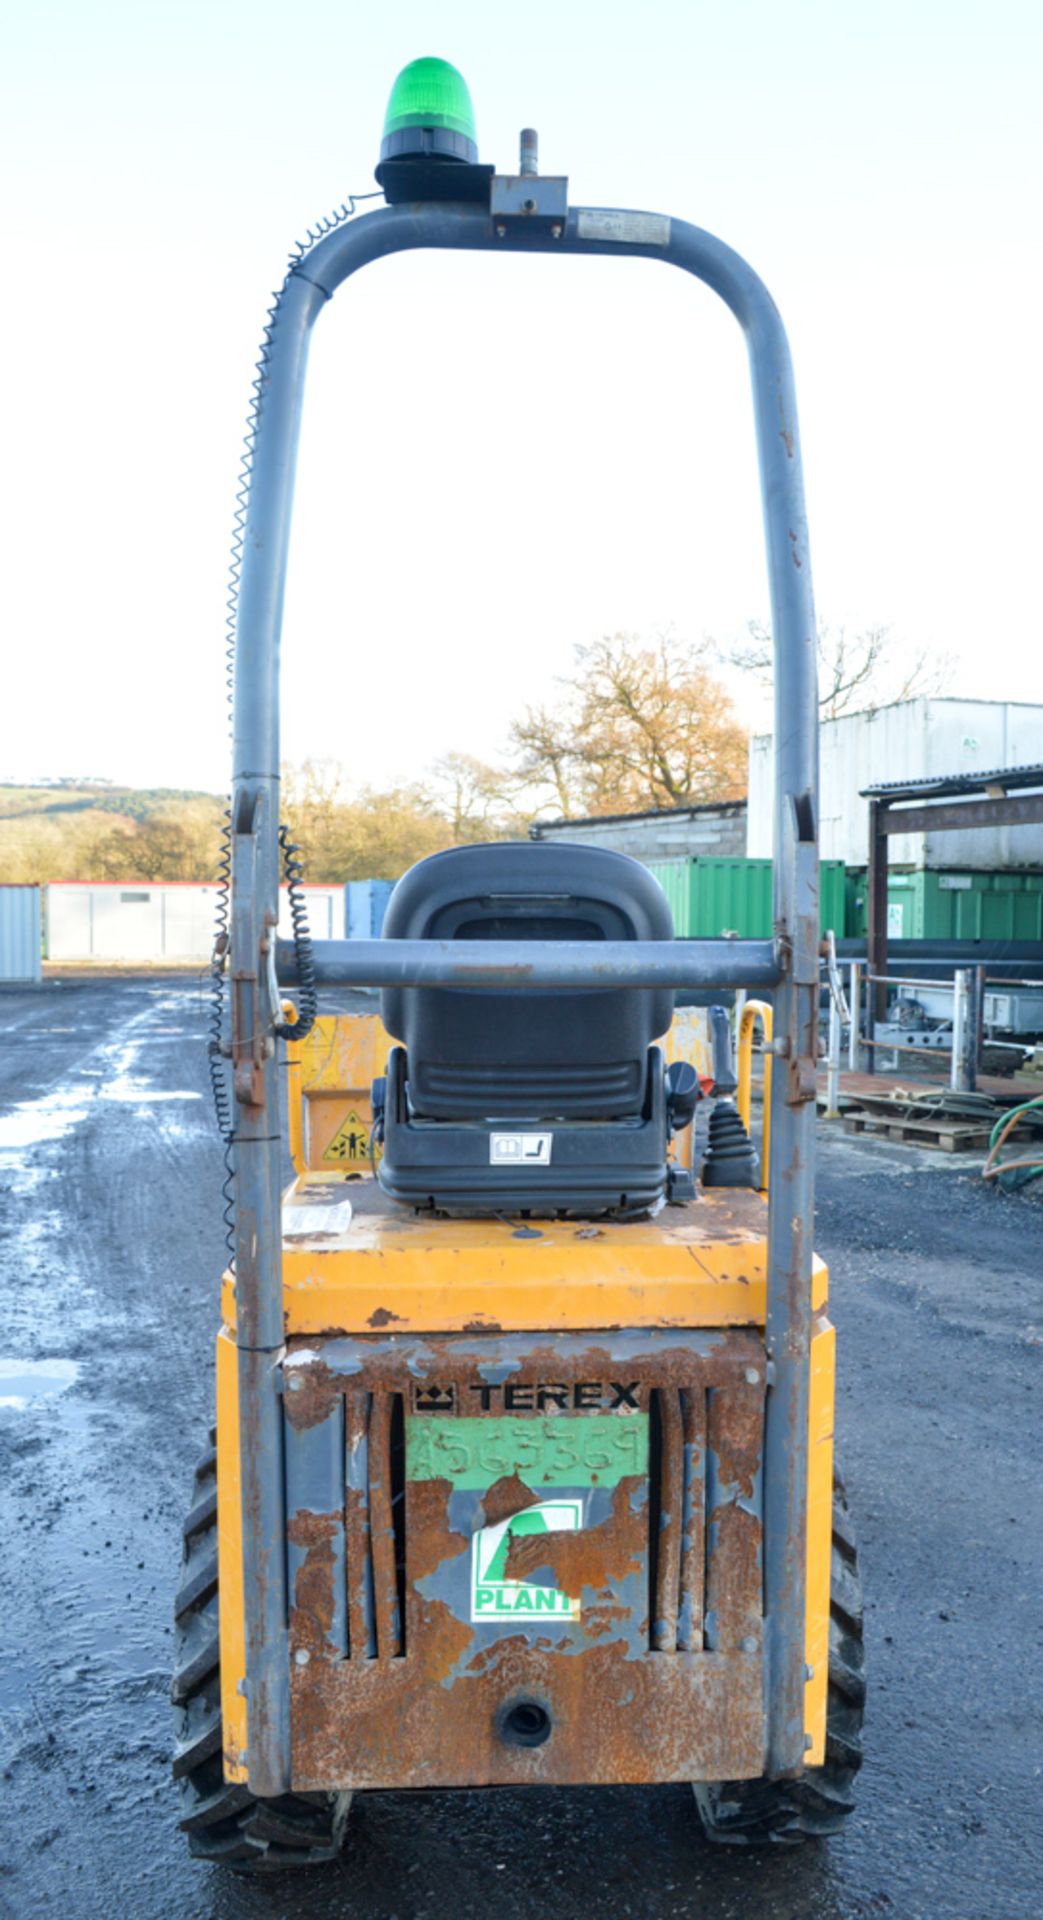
<point x="218" y="1047"/>
<point x="307" y="987"/>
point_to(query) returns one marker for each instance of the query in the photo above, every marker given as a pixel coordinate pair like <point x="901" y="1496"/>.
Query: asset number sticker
<point x="473" y="1451"/>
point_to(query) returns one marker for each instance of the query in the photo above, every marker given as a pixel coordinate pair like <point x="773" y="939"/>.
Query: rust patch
<point x="310" y="1393"/>
<point x="429" y="1541"/>
<point x="383" y="1317"/>
<point x="599" y="1620"/>
<point x="482" y="1326"/>
<point x="446" y="1640"/>
<point x="594" y="1557"/>
<point x="733" y="1586"/>
<point x="311" y="1609"/>
<point x="507" y="1496"/>
<point x="377" y="1723"/>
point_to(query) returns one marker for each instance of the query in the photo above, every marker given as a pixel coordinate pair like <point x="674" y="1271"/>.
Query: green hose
<point x="1012" y="1173"/>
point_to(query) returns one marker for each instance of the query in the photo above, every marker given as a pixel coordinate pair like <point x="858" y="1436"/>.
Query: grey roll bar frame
<point x="500" y="964"/>
<point x="792" y="960"/>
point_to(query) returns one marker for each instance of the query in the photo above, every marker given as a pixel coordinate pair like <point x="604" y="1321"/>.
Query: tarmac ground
<point x="111" y="1244"/>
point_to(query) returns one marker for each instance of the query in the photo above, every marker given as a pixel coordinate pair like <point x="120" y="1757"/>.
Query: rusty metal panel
<point x="530" y="1548"/>
<point x="315" y="1490"/>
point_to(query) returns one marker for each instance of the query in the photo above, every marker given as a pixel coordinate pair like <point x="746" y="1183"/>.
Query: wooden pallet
<point x="946" y="1134"/>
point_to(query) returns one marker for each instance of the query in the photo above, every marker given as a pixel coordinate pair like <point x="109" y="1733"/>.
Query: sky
<point x="504" y="458"/>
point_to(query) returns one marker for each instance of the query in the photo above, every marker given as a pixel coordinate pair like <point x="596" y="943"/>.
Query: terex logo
<point x="528" y="1396"/>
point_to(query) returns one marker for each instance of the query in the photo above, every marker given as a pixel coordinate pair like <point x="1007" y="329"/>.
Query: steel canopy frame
<point x="312" y="281"/>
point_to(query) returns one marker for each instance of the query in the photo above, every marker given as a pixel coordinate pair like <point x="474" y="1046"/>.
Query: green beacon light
<point x="430" y="149"/>
<point x="429" y="115"/>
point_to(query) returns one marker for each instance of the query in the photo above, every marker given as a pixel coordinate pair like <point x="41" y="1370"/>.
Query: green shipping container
<point x="712" y="897"/>
<point x="925" y="905"/>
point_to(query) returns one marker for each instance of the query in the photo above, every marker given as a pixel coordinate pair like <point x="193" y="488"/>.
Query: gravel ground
<point x="111" y="1238"/>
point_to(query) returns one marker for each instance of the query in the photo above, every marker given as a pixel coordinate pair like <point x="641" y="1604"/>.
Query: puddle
<point x="136" y="1093"/>
<point x="54" y="1115"/>
<point x="38" y="1120"/>
<point x="24" y="1381"/>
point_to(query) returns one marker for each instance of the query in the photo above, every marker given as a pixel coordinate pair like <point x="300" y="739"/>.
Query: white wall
<point x="160" y="921"/>
<point x="911" y="740"/>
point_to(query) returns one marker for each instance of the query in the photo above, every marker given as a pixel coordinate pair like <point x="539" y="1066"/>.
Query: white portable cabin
<point x="154" y="921"/>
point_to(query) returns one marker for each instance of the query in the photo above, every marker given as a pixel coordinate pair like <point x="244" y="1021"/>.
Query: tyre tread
<point x="787" y="1812"/>
<point x="223" y="1822"/>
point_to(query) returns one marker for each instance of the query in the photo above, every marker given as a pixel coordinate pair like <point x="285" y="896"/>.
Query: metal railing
<point x="962" y="1049"/>
<point x="755" y="1013"/>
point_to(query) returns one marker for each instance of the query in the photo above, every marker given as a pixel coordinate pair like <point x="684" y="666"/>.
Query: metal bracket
<point x="801" y="1054"/>
<point x="248" y="1053"/>
<point x="539" y="202"/>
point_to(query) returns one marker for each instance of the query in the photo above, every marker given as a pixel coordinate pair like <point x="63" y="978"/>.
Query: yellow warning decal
<point x="349" y="1146"/>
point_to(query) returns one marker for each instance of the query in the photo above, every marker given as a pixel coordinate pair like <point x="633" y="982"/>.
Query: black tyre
<point x="227" y="1823"/>
<point x="756" y="1812"/>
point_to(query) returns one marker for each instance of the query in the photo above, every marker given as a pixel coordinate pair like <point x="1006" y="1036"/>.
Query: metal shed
<point x="910" y="741"/>
<point x="659" y="833"/>
<point x="20" y="951"/>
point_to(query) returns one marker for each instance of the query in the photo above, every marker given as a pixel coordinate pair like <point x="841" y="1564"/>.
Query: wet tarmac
<point x="110" y="1243"/>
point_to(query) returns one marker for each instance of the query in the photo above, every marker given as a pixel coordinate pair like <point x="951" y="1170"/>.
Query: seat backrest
<point x="538" y="1053"/>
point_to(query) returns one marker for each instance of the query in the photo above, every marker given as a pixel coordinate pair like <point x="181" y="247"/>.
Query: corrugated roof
<point x="947" y="784"/>
<point x="647" y="813"/>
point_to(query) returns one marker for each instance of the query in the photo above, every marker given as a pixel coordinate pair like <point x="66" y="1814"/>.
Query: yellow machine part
<point x="384" y="1270"/>
<point x="369" y="1268"/>
<point x="332" y="1070"/>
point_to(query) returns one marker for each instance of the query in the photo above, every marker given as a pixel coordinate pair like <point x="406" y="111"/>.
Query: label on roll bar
<point x="628" y="229"/>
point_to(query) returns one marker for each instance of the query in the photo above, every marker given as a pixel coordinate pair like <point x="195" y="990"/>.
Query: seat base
<point x="536" y="1167"/>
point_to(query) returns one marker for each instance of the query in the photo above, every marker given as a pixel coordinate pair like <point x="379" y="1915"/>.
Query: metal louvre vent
<point x="374" y="1524"/>
<point x="704" y="1521"/>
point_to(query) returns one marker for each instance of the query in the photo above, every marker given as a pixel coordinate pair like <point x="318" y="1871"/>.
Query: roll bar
<point x="789" y="964"/>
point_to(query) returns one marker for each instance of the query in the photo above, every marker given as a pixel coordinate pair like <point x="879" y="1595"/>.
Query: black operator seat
<point x="536" y="1054"/>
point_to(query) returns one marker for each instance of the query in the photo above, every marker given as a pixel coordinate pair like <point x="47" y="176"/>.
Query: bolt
<point x="556" y="230"/>
<point x="749" y="1645"/>
<point x="808" y="1741"/>
<point x="302" y="1656"/>
<point x="501" y="233"/>
<point x="294" y="1383"/>
<point x="809" y="1673"/>
<point x="752" y="1376"/>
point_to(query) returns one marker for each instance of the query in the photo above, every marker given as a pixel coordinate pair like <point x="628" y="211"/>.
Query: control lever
<point x="724" y="1075"/>
<point x="683" y="1094"/>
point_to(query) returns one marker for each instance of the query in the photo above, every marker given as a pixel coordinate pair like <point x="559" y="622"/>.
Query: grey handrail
<point x="315" y="278"/>
<point x="545" y="963"/>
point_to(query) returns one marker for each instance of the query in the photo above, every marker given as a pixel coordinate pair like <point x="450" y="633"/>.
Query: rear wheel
<point x="755" y="1812"/>
<point x="225" y="1822"/>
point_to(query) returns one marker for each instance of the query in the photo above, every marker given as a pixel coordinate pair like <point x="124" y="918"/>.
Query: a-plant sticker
<point x="493" y="1595"/>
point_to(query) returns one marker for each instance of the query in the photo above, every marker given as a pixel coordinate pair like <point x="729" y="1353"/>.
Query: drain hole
<point x="526" y="1724"/>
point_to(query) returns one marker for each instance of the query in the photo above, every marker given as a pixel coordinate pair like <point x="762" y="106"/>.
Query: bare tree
<point x="640" y="724"/>
<point x="857" y="672"/>
<point x="479" y="801"/>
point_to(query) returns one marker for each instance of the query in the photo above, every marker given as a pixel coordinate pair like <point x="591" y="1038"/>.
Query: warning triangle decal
<point x="349" y="1146"/>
